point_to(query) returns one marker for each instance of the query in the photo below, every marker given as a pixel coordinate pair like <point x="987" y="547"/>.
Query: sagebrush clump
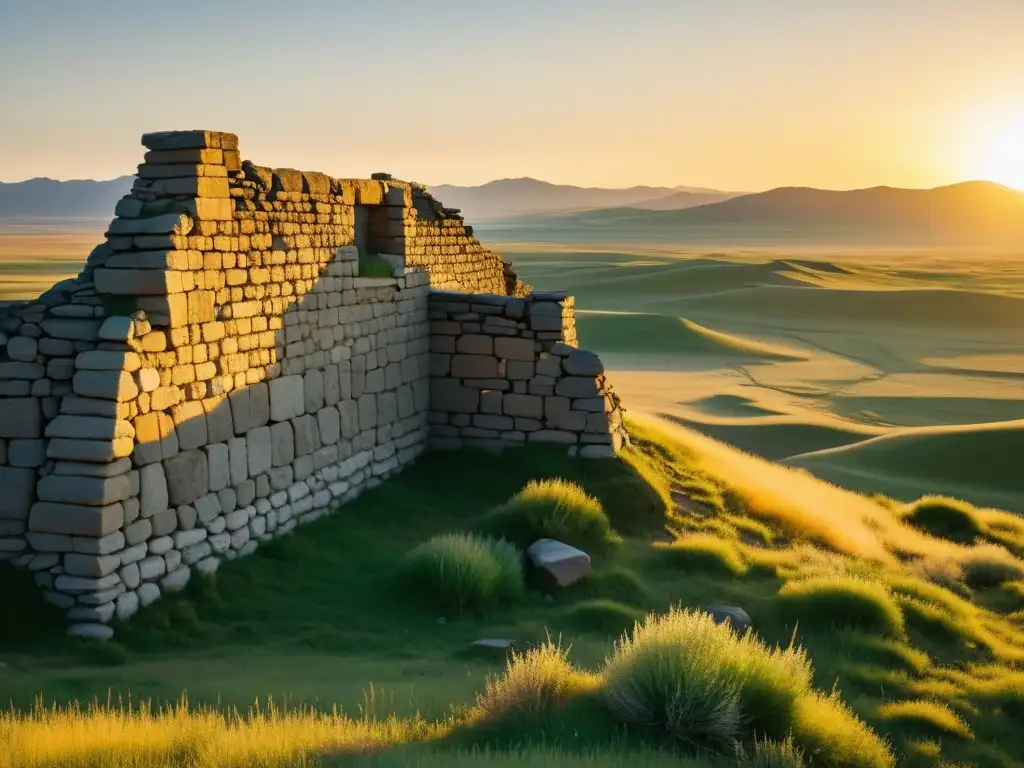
<point x="465" y="573"/>
<point x="700" y="682"/>
<point x="553" y="509"/>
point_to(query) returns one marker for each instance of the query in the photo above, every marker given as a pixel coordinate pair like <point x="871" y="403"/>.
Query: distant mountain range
<point x="516" y="197"/>
<point x="974" y="206"/>
<point x="48" y="197"/>
<point x="969" y="206"/>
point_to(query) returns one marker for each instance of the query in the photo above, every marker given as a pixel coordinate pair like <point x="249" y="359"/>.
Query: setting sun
<point x="1004" y="155"/>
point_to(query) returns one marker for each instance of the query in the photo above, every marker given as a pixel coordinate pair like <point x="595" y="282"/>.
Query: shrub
<point x="945" y="517"/>
<point x="553" y="509"/>
<point x="829" y="603"/>
<point x="465" y="573"/>
<point x="701" y="682"/>
<point x="930" y="714"/>
<point x="702" y="552"/>
<point x="831" y="735"/>
<point x="535" y="681"/>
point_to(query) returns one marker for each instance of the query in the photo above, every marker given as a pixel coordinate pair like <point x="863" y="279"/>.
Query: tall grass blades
<point x="553" y="509"/>
<point x="700" y="682"/>
<point x="465" y="573"/>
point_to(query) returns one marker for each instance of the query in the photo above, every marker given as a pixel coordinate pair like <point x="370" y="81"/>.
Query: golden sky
<point x="732" y="94"/>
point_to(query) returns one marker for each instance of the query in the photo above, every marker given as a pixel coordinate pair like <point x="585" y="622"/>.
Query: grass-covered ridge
<point x="872" y="642"/>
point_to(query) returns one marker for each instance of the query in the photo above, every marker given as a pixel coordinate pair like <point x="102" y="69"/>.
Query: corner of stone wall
<point x="505" y="371"/>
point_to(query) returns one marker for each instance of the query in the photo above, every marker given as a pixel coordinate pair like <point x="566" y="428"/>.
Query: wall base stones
<point x="220" y="372"/>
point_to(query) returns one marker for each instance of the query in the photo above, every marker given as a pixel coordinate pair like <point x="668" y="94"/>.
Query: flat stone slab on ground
<point x="565" y="564"/>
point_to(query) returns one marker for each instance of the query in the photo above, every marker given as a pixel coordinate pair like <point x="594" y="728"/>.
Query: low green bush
<point x="553" y="509"/>
<point x="535" y="682"/>
<point x="947" y="518"/>
<point x="465" y="573"/>
<point x="705" y="553"/>
<point x="990" y="566"/>
<point x="700" y="682"/>
<point x="840" y="602"/>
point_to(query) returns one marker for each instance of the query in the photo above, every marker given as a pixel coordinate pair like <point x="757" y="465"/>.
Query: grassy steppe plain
<point x="892" y="371"/>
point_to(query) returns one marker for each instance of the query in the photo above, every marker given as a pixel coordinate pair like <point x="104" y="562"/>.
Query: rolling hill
<point x="42" y="197"/>
<point x="976" y="206"/>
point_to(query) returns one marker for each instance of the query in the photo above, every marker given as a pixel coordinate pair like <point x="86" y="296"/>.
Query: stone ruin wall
<point x="505" y="370"/>
<point x="219" y="371"/>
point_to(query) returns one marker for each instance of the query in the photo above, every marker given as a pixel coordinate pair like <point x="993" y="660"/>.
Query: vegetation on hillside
<point x="883" y="633"/>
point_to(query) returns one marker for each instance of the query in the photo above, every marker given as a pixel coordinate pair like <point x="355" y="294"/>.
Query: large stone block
<point x="187" y="477"/>
<point x="287" y="398"/>
<point x="155" y="437"/>
<point x="190" y="424"/>
<point x="449" y="396"/>
<point x="89" y="428"/>
<point x="153" y="493"/>
<point x="576" y="386"/>
<point x="259" y="450"/>
<point x="474" y="367"/>
<point x="75" y="519"/>
<point x="17" y="492"/>
<point x="168" y="140"/>
<point x="511" y="348"/>
<point x="99" y="451"/>
<point x="307" y="435"/>
<point x="88" y="491"/>
<point x="282" y="442"/>
<point x="329" y="425"/>
<point x="20" y="417"/>
<point x="238" y="460"/>
<point x="106" y="385"/>
<point x="219" y="466"/>
<point x="527" y="406"/>
<point x="313" y="389"/>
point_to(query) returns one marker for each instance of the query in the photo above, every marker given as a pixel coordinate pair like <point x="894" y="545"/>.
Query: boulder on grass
<point x="731" y="614"/>
<point x="565" y="564"/>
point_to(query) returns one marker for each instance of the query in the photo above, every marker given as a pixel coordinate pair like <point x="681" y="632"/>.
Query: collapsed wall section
<point x="506" y="371"/>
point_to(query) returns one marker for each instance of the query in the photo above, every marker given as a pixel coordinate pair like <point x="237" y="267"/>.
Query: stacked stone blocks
<point x="505" y="371"/>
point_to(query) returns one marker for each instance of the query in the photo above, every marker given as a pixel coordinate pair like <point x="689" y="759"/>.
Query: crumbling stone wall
<point x="506" y="371"/>
<point x="220" y="371"/>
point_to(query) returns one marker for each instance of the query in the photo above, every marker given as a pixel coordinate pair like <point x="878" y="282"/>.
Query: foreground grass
<point x="897" y="641"/>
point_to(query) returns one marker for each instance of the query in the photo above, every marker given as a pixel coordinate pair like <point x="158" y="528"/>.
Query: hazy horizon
<point x="735" y="95"/>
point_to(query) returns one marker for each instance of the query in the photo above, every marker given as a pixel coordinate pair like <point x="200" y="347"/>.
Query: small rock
<point x="565" y="564"/>
<point x="736" y="617"/>
<point x="94" y="631"/>
<point x="442" y="620"/>
<point x="494" y="642"/>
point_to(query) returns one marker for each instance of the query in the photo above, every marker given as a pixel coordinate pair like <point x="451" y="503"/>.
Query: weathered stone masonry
<point x="220" y="372"/>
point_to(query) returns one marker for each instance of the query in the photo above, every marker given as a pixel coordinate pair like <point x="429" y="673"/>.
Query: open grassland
<point x="886" y="633"/>
<point x="879" y="367"/>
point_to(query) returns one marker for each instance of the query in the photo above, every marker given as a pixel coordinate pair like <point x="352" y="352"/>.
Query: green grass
<point x="841" y="602"/>
<point x="703" y="552"/>
<point x="949" y="518"/>
<point x="931" y="716"/>
<point x="553" y="509"/>
<point x="319" y="619"/>
<point x="464" y="573"/>
<point x="372" y="265"/>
